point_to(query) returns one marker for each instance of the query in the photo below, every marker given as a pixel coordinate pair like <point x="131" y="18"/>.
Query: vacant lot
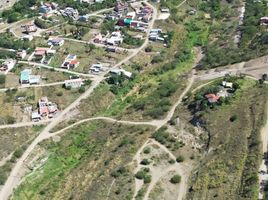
<point x="98" y="147"/>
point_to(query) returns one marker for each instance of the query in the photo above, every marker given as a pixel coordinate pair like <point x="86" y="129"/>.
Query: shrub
<point x="140" y="174"/>
<point x="147" y="179"/>
<point x="171" y="161"/>
<point x="180" y="159"/>
<point x="18" y="153"/>
<point x="147" y="150"/>
<point x="233" y="118"/>
<point x="82" y="89"/>
<point x="145" y="162"/>
<point x="2" y="79"/>
<point x="175" y="179"/>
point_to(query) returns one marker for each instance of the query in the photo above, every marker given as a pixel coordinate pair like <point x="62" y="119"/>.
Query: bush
<point x="180" y="159"/>
<point x="147" y="150"/>
<point x="171" y="161"/>
<point x="140" y="174"/>
<point x="82" y="89"/>
<point x="147" y="179"/>
<point x="2" y="79"/>
<point x="233" y="118"/>
<point x="18" y="153"/>
<point x="145" y="162"/>
<point x="175" y="179"/>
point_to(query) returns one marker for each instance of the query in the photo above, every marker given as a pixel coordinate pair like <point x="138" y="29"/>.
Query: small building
<point x="35" y="116"/>
<point x="121" y="72"/>
<point x="40" y="52"/>
<point x="111" y="49"/>
<point x="21" y="54"/>
<point x="264" y="21"/>
<point x="73" y="83"/>
<point x="44" y="9"/>
<point x="212" y="98"/>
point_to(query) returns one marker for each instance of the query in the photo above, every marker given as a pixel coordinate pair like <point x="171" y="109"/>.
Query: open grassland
<point x="233" y="151"/>
<point x="98" y="147"/>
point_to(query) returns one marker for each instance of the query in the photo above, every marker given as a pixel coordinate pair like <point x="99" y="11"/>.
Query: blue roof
<point x="24" y="75"/>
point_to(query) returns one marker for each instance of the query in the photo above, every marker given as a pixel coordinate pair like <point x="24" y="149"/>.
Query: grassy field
<point x="233" y="147"/>
<point x="98" y="147"/>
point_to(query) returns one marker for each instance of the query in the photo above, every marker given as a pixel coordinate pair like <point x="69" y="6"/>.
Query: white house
<point x="73" y="83"/>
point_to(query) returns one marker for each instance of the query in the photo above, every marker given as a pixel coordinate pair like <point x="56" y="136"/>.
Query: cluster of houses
<point x="70" y="62"/>
<point x="46" y="109"/>
<point x="7" y="65"/>
<point x="40" y="53"/>
<point x="214" y="98"/>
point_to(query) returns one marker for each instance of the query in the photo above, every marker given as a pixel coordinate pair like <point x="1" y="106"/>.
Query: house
<point x="95" y="68"/>
<point x="28" y="28"/>
<point x="73" y="83"/>
<point x="21" y="54"/>
<point x="42" y="106"/>
<point x="264" y="21"/>
<point x="55" y="41"/>
<point x="44" y="9"/>
<point x="227" y="84"/>
<point x="70" y="62"/>
<point x="7" y="66"/>
<point x="40" y="52"/>
<point x="35" y="116"/>
<point x="115" y="39"/>
<point x="26" y="77"/>
<point x="121" y="72"/>
<point x="120" y="6"/>
<point x="27" y="37"/>
<point x="212" y="98"/>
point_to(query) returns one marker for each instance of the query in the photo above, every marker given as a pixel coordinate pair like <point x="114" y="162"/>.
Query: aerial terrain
<point x="133" y="100"/>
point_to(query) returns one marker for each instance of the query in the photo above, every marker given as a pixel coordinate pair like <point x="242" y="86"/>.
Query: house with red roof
<point x="212" y="98"/>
